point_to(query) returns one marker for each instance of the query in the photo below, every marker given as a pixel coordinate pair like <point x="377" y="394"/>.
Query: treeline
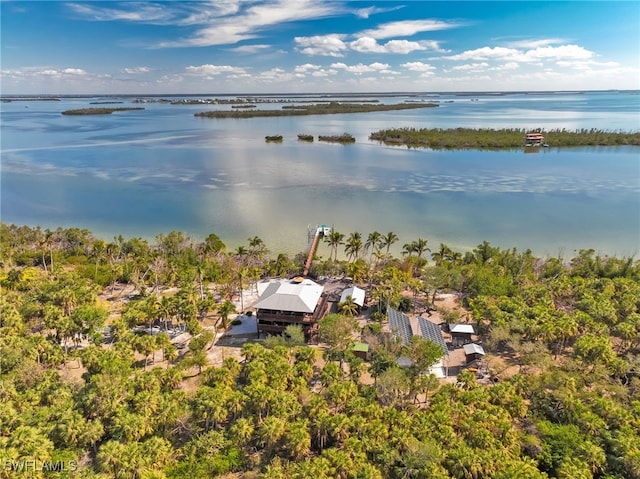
<point x="486" y="138"/>
<point x="315" y="109"/>
<point x="140" y="408"/>
<point x="98" y="111"/>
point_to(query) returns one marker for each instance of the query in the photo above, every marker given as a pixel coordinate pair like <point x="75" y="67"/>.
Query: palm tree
<point x="334" y="240"/>
<point x="387" y="240"/>
<point x="224" y="311"/>
<point x="420" y="247"/>
<point x="353" y="246"/>
<point x="441" y="255"/>
<point x="257" y="248"/>
<point x="409" y="248"/>
<point x="373" y="242"/>
<point x="348" y="306"/>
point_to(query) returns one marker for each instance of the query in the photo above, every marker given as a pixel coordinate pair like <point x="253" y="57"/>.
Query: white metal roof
<point x="356" y="293"/>
<point x="287" y="295"/>
<point x="462" y="328"/>
<point x="473" y="348"/>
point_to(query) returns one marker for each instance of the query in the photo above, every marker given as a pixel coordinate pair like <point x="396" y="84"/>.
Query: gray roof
<point x="400" y="325"/>
<point x="356" y="293"/>
<point x="473" y="349"/>
<point x="298" y="297"/>
<point x="432" y="332"/>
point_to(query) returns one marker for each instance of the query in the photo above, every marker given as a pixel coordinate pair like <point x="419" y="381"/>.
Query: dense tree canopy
<point x="83" y="386"/>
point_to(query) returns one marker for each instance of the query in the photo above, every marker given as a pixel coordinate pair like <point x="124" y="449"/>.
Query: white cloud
<point x="471" y="66"/>
<point x="407" y="28"/>
<point x="327" y="45"/>
<point x="534" y="43"/>
<point x="212" y="10"/>
<point x="371" y="45"/>
<point x="581" y="64"/>
<point x="560" y="52"/>
<point x="250" y="48"/>
<point x="212" y="70"/>
<point x="136" y="12"/>
<point x="136" y="70"/>
<point x="306" y="68"/>
<point x="488" y="53"/>
<point x="250" y="21"/>
<point x="514" y="55"/>
<point x="362" y="68"/>
<point x="367" y="12"/>
<point x="418" y="66"/>
<point x="275" y="74"/>
<point x="507" y="66"/>
<point x="74" y="71"/>
<point x="323" y="73"/>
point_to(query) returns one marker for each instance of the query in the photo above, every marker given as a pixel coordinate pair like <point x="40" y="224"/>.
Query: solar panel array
<point x="431" y="331"/>
<point x="400" y="325"/>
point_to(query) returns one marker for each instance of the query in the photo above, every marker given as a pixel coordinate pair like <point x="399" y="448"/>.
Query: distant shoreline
<point x="315" y="109"/>
<point x="391" y="94"/>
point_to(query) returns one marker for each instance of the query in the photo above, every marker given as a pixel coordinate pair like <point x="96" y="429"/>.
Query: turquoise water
<point x="140" y="173"/>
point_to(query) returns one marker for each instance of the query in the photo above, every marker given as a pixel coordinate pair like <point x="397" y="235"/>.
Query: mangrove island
<point x="314" y="109"/>
<point x="486" y="138"/>
<point x="98" y="111"/>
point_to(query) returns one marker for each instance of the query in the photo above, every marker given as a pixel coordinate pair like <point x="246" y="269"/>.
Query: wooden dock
<point x="312" y="251"/>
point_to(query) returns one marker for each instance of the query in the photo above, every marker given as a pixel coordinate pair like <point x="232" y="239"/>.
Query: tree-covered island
<point x="315" y="109"/>
<point x="114" y="362"/>
<point x="98" y="111"/>
<point x="486" y="138"/>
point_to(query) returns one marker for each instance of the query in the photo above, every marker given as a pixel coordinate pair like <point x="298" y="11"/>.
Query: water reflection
<point x="164" y="169"/>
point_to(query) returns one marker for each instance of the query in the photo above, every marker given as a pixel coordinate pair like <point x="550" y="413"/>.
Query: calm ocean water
<point x="140" y="173"/>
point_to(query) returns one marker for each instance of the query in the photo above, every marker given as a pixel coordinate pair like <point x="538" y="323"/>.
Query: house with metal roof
<point x="405" y="328"/>
<point x="286" y="302"/>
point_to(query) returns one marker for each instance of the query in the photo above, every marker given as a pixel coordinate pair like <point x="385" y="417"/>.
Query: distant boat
<point x="305" y="137"/>
<point x="273" y="138"/>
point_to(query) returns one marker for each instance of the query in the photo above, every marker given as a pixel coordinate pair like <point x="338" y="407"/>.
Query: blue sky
<point x="251" y="46"/>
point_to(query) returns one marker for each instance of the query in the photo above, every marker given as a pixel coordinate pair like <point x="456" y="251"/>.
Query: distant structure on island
<point x="534" y="139"/>
<point x="293" y="301"/>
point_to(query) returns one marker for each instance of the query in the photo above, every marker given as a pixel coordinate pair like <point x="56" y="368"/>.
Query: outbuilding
<point x="356" y="294"/>
<point x="461" y="333"/>
<point x="473" y="352"/>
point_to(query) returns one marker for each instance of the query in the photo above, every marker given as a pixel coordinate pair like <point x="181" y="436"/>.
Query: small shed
<point x="473" y="351"/>
<point x="361" y="350"/>
<point x="356" y="294"/>
<point x="461" y="333"/>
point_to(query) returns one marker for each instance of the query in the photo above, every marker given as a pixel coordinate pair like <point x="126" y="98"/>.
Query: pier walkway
<point x="320" y="231"/>
<point x="312" y="250"/>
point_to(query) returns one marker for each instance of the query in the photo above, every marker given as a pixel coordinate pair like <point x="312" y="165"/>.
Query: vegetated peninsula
<point x="98" y="111"/>
<point x="315" y="109"/>
<point x="128" y="359"/>
<point x="486" y="138"/>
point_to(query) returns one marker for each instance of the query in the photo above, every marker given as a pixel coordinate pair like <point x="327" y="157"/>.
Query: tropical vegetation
<point x="98" y="111"/>
<point x="487" y="138"/>
<point x="325" y="108"/>
<point x="109" y="390"/>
